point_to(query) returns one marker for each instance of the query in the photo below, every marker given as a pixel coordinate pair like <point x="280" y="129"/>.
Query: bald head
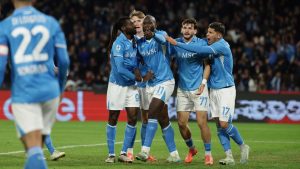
<point x="149" y="19"/>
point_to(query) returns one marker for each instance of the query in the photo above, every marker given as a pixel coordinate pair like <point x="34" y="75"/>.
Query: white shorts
<point x="162" y="91"/>
<point x="119" y="97"/>
<point x="35" y="116"/>
<point x="189" y="101"/>
<point x="143" y="98"/>
<point x="222" y="103"/>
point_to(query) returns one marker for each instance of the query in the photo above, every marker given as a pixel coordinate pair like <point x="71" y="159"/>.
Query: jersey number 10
<point x="36" y="54"/>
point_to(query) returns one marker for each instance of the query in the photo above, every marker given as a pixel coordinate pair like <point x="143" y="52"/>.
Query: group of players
<point x="141" y="78"/>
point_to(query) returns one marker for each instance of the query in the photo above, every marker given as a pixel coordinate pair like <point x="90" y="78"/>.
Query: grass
<point x="272" y="146"/>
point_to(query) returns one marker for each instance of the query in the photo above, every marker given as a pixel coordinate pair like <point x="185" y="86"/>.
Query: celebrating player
<point x="223" y="92"/>
<point x="121" y="90"/>
<point x="158" y="90"/>
<point x="189" y="98"/>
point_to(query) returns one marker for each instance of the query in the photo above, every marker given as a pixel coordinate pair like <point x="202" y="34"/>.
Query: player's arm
<point x="196" y="48"/>
<point x="206" y="73"/>
<point x="62" y="58"/>
<point x="160" y="38"/>
<point x="3" y="56"/>
<point x="122" y="70"/>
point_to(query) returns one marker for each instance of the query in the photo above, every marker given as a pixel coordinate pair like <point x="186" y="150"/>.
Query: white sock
<point x="174" y="153"/>
<point x="145" y="149"/>
<point x="228" y="153"/>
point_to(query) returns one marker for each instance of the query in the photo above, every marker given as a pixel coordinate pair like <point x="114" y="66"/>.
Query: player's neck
<point x="187" y="40"/>
<point x="140" y="34"/>
<point x="22" y="4"/>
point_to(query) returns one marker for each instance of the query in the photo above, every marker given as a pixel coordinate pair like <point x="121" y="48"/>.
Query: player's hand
<point x="148" y="76"/>
<point x="200" y="89"/>
<point x="137" y="74"/>
<point x="171" y="40"/>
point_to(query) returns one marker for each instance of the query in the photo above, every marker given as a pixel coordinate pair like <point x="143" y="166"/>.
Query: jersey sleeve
<point x="62" y="56"/>
<point x="159" y="36"/>
<point x="218" y="47"/>
<point x="117" y="49"/>
<point x="4" y="51"/>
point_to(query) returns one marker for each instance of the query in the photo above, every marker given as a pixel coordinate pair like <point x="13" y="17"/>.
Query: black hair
<point x="114" y="33"/>
<point x="218" y="27"/>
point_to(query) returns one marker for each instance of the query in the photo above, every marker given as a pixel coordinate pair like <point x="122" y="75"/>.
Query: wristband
<point x="204" y="81"/>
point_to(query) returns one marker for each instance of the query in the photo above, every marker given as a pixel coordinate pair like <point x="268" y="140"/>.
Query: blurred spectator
<point x="264" y="36"/>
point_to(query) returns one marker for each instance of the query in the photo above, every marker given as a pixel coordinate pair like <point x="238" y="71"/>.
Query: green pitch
<point x="272" y="146"/>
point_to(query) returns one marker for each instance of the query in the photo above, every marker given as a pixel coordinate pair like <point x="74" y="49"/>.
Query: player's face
<point x="188" y="31"/>
<point x="138" y="23"/>
<point x="130" y="28"/>
<point x="148" y="30"/>
<point x="212" y="36"/>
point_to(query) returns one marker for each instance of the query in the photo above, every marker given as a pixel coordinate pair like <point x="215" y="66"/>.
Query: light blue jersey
<point x="222" y="62"/>
<point x="32" y="40"/>
<point x="153" y="55"/>
<point x="123" y="61"/>
<point x="190" y="67"/>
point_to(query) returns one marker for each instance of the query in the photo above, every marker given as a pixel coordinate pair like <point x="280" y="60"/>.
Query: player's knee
<point x="223" y="124"/>
<point x="182" y="124"/>
<point x="132" y="120"/>
<point x="113" y="119"/>
<point x="202" y="124"/>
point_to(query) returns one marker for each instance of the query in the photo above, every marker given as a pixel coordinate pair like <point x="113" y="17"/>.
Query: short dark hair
<point x="218" y="27"/>
<point x="190" y="21"/>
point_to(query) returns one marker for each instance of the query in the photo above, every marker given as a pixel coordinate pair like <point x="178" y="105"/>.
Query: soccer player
<point x="32" y="40"/>
<point x="121" y="90"/>
<point x="191" y="76"/>
<point x="55" y="154"/>
<point x="158" y="90"/>
<point x="137" y="18"/>
<point x="222" y="88"/>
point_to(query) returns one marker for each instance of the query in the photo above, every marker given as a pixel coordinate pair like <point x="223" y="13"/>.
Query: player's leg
<point x="168" y="135"/>
<point x="184" y="107"/>
<point x="205" y="135"/>
<point x="144" y="112"/>
<point x="156" y="105"/>
<point x="214" y="98"/>
<point x="144" y="118"/>
<point x="55" y="154"/>
<point x="132" y="104"/>
<point x="29" y="124"/>
<point x="201" y="103"/>
<point x="116" y="96"/>
<point x="49" y="115"/>
<point x="130" y="132"/>
<point x="227" y="105"/>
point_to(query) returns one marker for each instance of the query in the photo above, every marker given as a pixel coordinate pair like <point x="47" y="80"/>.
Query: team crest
<point x="118" y="47"/>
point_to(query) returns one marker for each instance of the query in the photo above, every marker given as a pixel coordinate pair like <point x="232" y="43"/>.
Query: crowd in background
<point x="264" y="36"/>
